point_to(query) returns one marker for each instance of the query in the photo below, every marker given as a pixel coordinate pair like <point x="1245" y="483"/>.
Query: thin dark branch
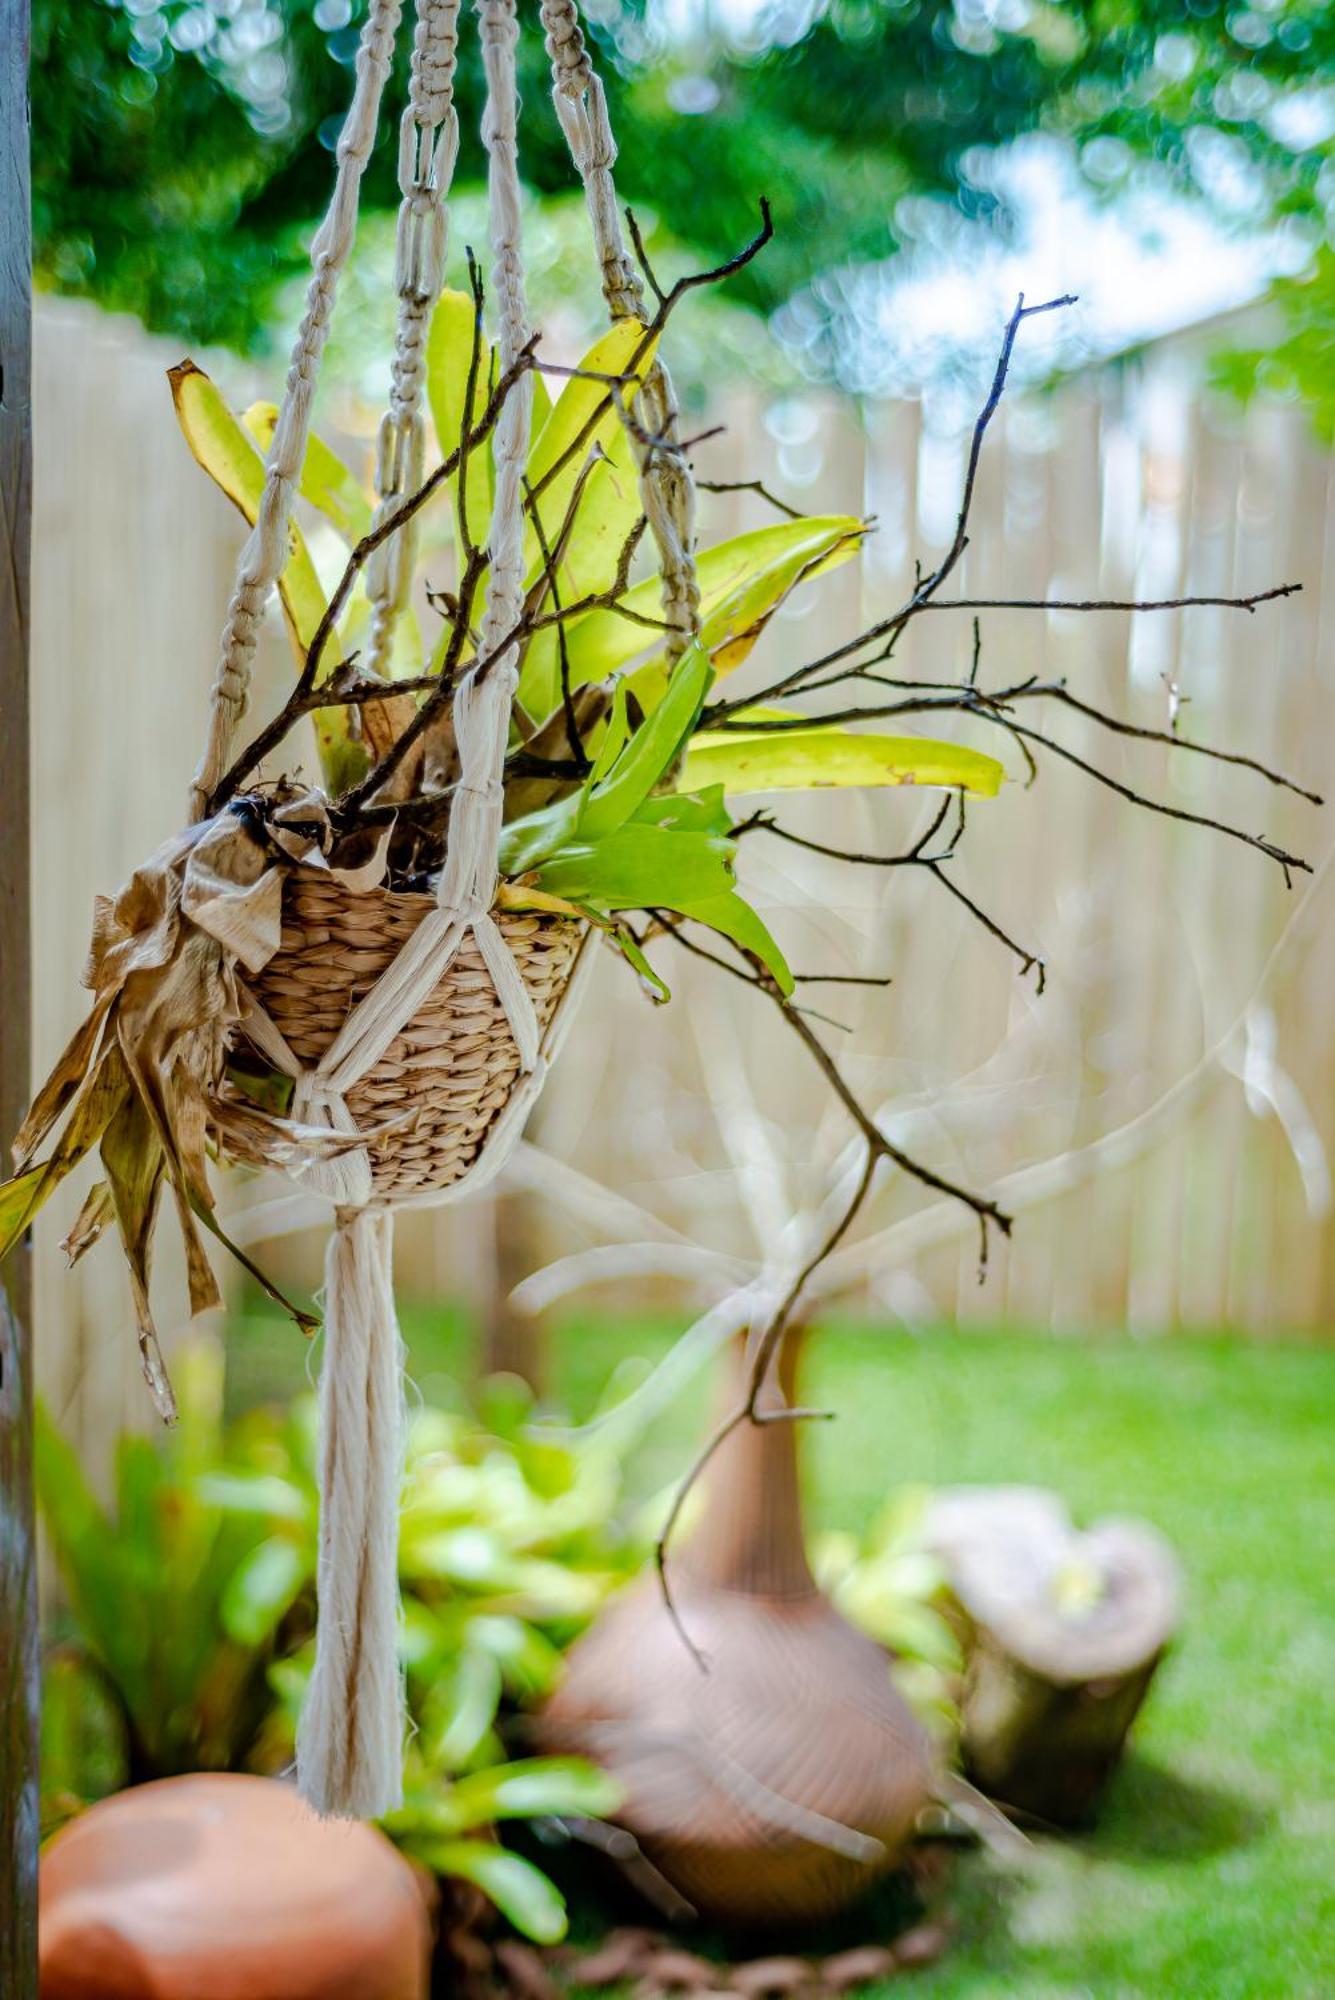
<point x="1247" y="604"/>
<point x="642" y="256"/>
<point x="728" y="269"/>
<point x="1285" y="861"/>
<point x="1029" y="961"/>
<point x="841" y="979"/>
<point x="925" y="588"/>
<point x="749" y="486"/>
<point x="751" y="973"/>
<point x="1058" y="691"/>
<point x="960" y="538"/>
<point x="470" y="392"/>
<point x="748" y="1411"/>
<point x="645" y="344"/>
<point x="573" y="736"/>
<point x="963" y="697"/>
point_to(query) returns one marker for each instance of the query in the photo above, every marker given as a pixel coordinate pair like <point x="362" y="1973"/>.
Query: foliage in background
<point x="887" y="1583"/>
<point x="150" y="1587"/>
<point x="1299" y="365"/>
<point x="182" y="150"/>
<point x="187" y="1637"/>
<point x="191" y="1615"/>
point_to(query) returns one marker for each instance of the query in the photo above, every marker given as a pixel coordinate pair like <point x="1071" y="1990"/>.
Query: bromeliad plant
<point x="617" y="790"/>
<point x="191" y="1610"/>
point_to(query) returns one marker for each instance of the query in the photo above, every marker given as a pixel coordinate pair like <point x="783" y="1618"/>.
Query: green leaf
<point x="619" y="937"/>
<point x="449" y="350"/>
<point x="520" y="1891"/>
<point x="264" y="1496"/>
<point x="742" y="582"/>
<point x="705" y="811"/>
<point x="616" y="735"/>
<point x="804" y="759"/>
<point x="460" y="1709"/>
<point x="532" y="1788"/>
<point x="640" y="867"/>
<point x="261" y="1590"/>
<point x="624" y="773"/>
<point x="732" y="916"/>
<point x="85" y="1754"/>
<point x="651" y="750"/>
<point x="331" y="486"/>
<point x="528" y="841"/>
<point x="85" y="1544"/>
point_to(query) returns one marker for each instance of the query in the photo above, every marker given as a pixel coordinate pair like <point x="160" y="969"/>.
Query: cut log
<point x="1063" y="1631"/>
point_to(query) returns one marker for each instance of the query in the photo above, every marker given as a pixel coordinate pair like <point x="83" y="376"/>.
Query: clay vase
<point x="221" y="1887"/>
<point x="775" y="1784"/>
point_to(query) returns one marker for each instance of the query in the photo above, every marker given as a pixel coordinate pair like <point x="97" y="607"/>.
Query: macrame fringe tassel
<point x="350" y="1739"/>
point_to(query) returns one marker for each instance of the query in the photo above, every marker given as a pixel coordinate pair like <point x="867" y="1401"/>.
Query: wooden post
<point x="19" y="1663"/>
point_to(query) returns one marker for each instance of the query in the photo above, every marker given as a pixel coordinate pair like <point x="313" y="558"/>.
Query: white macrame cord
<point x="349" y="1742"/>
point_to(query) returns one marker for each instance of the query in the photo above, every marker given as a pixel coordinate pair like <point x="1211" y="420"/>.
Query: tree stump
<point x="1062" y="1632"/>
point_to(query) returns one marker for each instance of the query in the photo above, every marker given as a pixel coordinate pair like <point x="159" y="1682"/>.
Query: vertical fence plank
<point x="19" y="1698"/>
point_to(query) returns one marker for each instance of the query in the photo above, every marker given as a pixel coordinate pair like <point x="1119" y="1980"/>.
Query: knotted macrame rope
<point x="428" y="148"/>
<point x="266" y="548"/>
<point x="350" y="1737"/>
<point x="667" y="490"/>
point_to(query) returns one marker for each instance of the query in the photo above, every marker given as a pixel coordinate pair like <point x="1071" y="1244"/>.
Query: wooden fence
<point x="1176" y="960"/>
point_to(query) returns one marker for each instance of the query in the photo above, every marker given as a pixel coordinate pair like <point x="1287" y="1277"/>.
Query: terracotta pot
<point x="228" y="1888"/>
<point x="776" y="1784"/>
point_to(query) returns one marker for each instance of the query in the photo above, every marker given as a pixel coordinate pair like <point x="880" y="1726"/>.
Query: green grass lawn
<point x="1211" y="1873"/>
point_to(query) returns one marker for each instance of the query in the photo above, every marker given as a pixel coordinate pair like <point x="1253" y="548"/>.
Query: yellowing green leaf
<point x="609" y="508"/>
<point x="329" y="484"/>
<point x="227" y="454"/>
<point x="449" y="351"/>
<point x="805" y="759"/>
<point x="742" y="583"/>
<point x="229" y="457"/>
<point x="578" y="422"/>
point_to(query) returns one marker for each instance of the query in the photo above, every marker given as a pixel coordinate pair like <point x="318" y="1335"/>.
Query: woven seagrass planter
<point x="448" y="1075"/>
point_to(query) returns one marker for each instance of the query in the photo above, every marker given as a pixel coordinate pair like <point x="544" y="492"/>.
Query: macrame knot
<point x="565" y="46"/>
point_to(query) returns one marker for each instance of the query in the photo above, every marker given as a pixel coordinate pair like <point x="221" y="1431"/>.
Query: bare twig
<point x="749" y="486"/>
<point x="642" y="256"/>
<point x="1247" y="604"/>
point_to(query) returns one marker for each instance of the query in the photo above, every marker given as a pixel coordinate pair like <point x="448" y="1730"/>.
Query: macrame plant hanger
<point x="350" y="1737"/>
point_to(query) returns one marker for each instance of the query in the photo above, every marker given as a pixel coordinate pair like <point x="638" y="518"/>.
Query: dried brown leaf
<point x="133" y="1157"/>
<point x="98" y="1210"/>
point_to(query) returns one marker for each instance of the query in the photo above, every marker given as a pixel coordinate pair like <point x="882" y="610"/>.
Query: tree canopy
<point x="183" y="148"/>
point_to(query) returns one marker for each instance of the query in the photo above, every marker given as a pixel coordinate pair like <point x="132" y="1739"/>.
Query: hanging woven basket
<point x="435" y="1096"/>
